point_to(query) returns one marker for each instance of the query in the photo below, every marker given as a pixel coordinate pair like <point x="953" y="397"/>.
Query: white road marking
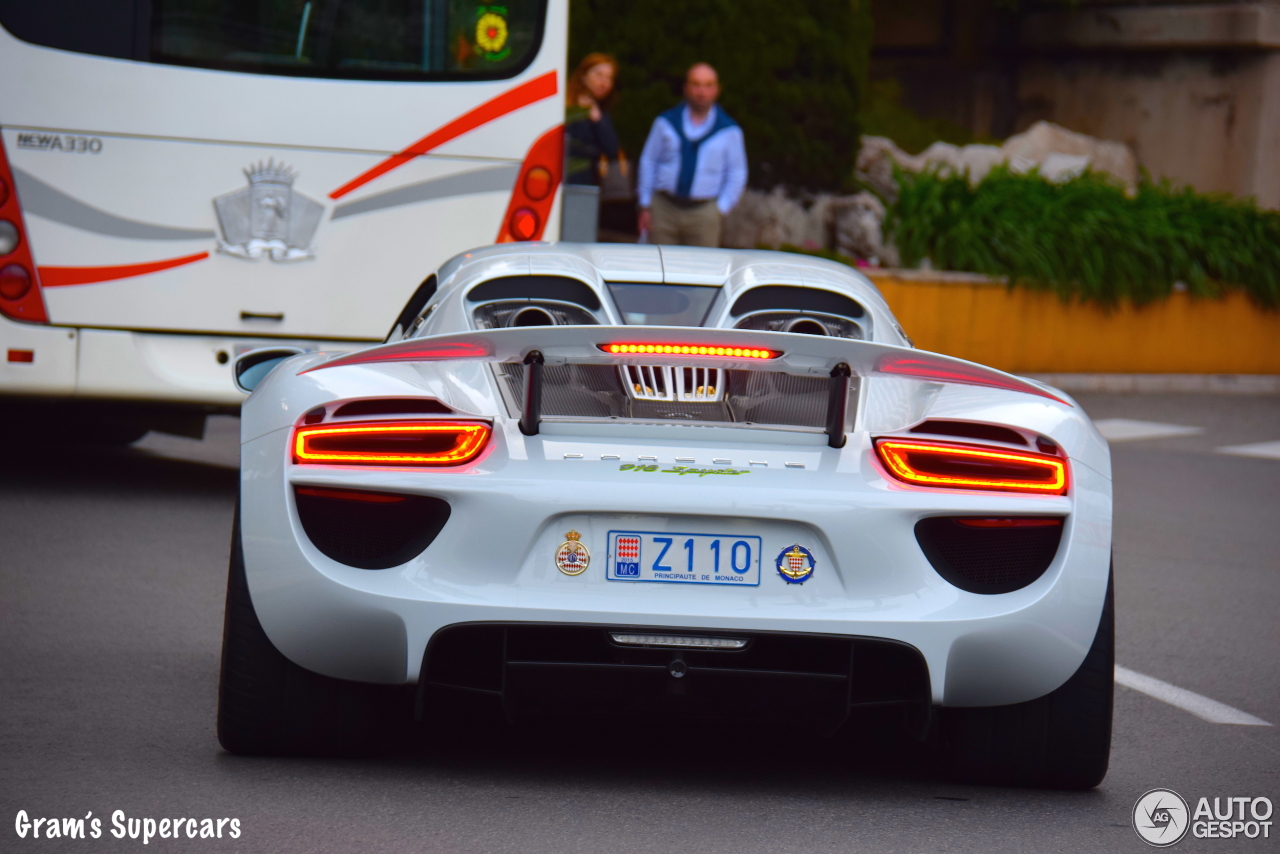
<point x="1126" y="429"/>
<point x="1265" y="450"/>
<point x="1188" y="701"/>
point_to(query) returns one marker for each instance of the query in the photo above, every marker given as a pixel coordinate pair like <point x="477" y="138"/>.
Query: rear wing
<point x="730" y="349"/>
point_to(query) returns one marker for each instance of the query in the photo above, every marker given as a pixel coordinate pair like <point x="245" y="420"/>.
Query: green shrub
<point x="1086" y="238"/>
<point x="790" y="74"/>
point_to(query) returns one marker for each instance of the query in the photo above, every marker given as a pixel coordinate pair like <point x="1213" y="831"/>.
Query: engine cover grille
<point x="677" y="394"/>
<point x="663" y="382"/>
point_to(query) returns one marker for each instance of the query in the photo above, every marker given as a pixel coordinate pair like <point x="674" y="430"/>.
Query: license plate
<point x="683" y="558"/>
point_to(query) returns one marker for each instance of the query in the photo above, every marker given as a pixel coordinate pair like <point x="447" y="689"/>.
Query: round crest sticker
<point x="796" y="564"/>
<point x="572" y="558"/>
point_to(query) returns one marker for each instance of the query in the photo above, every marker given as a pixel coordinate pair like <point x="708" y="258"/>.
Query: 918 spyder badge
<point x="796" y="564"/>
<point x="572" y="558"/>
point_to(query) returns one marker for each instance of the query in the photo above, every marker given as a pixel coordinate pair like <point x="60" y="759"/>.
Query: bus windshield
<point x="420" y="39"/>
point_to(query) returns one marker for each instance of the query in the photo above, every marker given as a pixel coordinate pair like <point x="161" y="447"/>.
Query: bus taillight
<point x="535" y="190"/>
<point x="20" y="297"/>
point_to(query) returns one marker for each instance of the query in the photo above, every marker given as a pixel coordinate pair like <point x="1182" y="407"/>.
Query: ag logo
<point x="1160" y="817"/>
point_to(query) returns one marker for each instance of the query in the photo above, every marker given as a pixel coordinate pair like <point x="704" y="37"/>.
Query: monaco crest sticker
<point x="796" y="564"/>
<point x="572" y="558"/>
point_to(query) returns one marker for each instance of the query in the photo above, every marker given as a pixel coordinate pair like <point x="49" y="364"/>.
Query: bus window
<point x="353" y="39"/>
<point x="422" y="39"/>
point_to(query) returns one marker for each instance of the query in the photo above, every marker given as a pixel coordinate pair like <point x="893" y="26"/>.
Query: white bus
<point x="183" y="180"/>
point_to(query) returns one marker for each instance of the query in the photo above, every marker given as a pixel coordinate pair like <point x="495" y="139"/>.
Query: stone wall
<point x="1192" y="88"/>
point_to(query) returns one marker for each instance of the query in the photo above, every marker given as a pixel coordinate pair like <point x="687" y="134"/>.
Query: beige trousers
<point x="673" y="225"/>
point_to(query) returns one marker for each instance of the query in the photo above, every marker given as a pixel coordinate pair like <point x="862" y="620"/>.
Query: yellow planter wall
<point x="1024" y="331"/>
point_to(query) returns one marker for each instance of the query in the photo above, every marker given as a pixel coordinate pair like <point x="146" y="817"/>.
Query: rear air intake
<point x="990" y="555"/>
<point x="970" y="430"/>
<point x="369" y="530"/>
<point x="392" y="406"/>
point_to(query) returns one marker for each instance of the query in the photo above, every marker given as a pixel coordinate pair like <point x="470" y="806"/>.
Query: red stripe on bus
<point x="508" y="102"/>
<point x="55" y="277"/>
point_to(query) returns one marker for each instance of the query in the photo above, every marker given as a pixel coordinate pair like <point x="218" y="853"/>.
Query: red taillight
<point x="20" y="297"/>
<point x="524" y="224"/>
<point x="968" y="467"/>
<point x="391" y="443"/>
<point x="535" y="189"/>
<point x="538" y="183"/>
<point x="689" y="350"/>
<point x="15" y="282"/>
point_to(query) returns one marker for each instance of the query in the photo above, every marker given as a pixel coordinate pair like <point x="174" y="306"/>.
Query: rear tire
<point x="267" y="705"/>
<point x="1059" y="741"/>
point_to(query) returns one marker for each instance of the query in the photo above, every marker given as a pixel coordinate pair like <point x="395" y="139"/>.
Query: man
<point x="693" y="167"/>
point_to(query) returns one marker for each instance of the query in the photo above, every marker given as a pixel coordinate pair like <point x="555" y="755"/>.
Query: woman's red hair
<point x="576" y="86"/>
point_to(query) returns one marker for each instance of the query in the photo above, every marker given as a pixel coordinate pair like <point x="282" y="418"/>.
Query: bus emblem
<point x="268" y="217"/>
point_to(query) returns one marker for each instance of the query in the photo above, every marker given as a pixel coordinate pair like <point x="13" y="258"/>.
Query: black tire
<point x="1059" y="741"/>
<point x="267" y="705"/>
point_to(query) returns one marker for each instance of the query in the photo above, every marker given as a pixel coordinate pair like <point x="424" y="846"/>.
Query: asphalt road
<point x="112" y="574"/>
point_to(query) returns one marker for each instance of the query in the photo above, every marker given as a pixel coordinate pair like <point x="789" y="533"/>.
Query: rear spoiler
<point x="735" y="349"/>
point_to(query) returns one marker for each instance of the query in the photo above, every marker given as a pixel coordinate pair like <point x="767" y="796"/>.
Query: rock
<point x="1063" y="167"/>
<point x="1043" y="139"/>
<point x="849" y="224"/>
<point x="874" y="167"/>
<point x="858" y="230"/>
<point x="1058" y="153"/>
<point x="772" y="219"/>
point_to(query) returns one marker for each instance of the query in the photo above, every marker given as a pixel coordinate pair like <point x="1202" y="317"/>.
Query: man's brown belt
<point x="682" y="202"/>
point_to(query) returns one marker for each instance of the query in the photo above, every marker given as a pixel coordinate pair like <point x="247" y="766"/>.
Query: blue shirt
<point x="719" y="167"/>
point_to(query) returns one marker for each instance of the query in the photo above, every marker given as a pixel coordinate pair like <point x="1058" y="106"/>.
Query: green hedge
<point x="790" y="72"/>
<point x="1086" y="237"/>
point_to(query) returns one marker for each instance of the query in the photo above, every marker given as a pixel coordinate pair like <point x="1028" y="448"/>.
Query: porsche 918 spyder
<point x="637" y="482"/>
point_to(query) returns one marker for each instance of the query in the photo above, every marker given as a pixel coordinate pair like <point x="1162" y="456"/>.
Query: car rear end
<point x="737" y="536"/>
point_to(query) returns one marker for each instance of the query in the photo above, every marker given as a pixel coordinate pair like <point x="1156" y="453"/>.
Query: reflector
<point x="630" y="639"/>
<point x="391" y="443"/>
<point x="351" y="495"/>
<point x="1013" y="522"/>
<point x="969" y="467"/>
<point x="690" y="350"/>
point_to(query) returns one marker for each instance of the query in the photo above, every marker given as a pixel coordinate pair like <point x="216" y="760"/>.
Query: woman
<point x="590" y="134"/>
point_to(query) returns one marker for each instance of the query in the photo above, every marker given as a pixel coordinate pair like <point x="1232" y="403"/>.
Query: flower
<point x="491" y="32"/>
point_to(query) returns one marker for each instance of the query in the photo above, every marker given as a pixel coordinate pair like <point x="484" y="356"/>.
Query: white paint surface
<point x="1265" y="450"/>
<point x="1126" y="429"/>
<point x="1188" y="701"/>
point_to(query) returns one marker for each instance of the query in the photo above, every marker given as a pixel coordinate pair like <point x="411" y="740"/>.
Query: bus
<point x="185" y="180"/>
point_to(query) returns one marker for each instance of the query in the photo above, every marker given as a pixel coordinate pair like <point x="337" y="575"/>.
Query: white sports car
<point x="642" y="482"/>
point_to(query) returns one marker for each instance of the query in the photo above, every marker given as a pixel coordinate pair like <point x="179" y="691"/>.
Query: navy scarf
<point x="689" y="148"/>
